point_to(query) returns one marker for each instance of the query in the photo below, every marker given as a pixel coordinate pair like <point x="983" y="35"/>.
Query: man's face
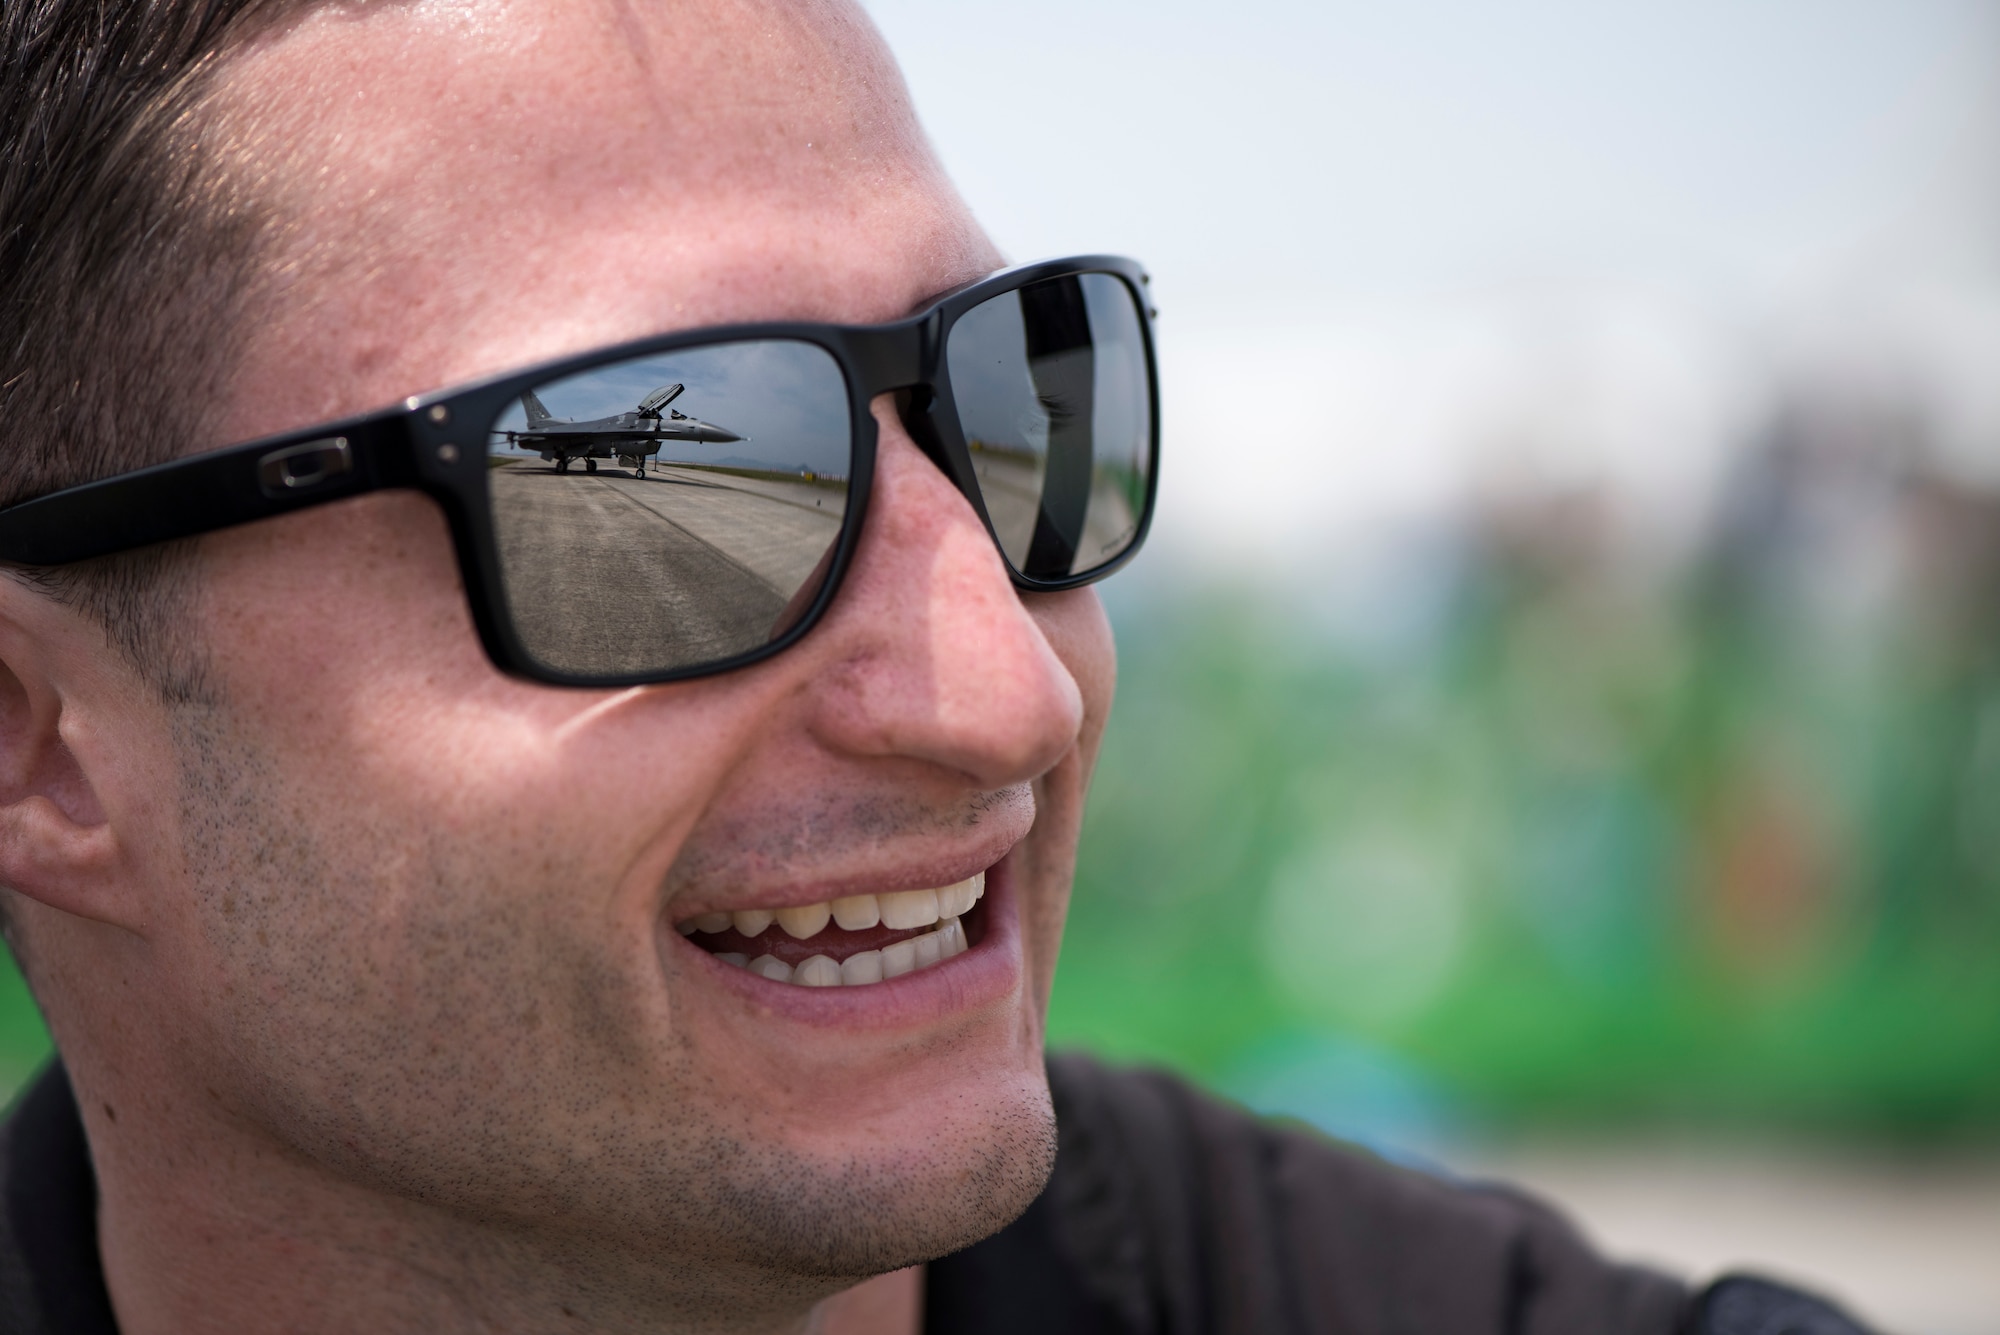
<point x="425" y="935"/>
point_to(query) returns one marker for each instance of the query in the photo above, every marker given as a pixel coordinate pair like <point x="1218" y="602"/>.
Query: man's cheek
<point x="1076" y="628"/>
<point x="1047" y="867"/>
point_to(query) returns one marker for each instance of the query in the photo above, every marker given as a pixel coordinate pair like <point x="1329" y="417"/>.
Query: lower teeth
<point x="870" y="966"/>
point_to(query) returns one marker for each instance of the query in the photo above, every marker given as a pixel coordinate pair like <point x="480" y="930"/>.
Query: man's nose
<point x="927" y="652"/>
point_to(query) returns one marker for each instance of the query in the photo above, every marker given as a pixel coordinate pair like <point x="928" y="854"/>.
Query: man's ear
<point x="56" y="847"/>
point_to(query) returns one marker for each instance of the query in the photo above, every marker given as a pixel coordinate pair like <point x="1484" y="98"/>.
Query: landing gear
<point x="590" y="465"/>
<point x="562" y="464"/>
<point x="641" y="473"/>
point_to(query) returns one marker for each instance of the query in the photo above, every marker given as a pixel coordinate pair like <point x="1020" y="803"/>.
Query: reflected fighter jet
<point x="631" y="438"/>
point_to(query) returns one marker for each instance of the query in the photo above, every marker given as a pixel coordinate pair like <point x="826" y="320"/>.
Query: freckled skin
<point x="372" y="949"/>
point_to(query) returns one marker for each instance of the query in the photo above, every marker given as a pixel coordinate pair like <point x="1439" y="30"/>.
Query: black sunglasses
<point x="715" y="536"/>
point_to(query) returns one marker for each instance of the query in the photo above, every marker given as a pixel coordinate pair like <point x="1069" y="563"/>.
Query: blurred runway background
<point x="1559" y="730"/>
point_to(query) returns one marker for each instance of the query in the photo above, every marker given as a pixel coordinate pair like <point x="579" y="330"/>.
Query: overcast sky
<point x="1389" y="239"/>
<point x="1320" y="150"/>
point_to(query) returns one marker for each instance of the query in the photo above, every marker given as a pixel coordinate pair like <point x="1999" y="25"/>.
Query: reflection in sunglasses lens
<point x="1053" y="395"/>
<point x="673" y="510"/>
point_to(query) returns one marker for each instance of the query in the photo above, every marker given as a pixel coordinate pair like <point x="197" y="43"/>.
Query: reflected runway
<point x="1011" y="483"/>
<point x="607" y="572"/>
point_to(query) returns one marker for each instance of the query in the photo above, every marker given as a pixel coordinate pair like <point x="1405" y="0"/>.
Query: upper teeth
<point x="900" y="909"/>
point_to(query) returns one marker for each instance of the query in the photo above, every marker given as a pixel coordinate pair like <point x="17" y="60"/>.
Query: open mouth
<point x="847" y="942"/>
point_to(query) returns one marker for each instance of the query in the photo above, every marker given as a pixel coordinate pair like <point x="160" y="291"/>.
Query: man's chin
<point x="950" y="1183"/>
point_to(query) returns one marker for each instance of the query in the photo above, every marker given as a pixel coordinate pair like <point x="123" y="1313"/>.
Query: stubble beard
<point x="484" y="1100"/>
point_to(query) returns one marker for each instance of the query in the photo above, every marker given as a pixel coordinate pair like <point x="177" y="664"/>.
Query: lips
<point x="853" y="941"/>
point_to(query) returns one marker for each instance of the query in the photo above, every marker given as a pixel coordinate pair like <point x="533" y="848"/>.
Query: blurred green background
<point x="24" y="1042"/>
<point x="1578" y="838"/>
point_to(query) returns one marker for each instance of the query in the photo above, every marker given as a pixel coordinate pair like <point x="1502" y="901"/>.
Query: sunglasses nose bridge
<point x="916" y="409"/>
<point x="898" y="356"/>
<point x="905" y="360"/>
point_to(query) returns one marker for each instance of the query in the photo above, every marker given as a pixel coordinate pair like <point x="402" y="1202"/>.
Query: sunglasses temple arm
<point x="206" y="492"/>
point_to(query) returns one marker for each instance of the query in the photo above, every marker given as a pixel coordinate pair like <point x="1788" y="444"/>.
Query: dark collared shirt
<point x="1169" y="1213"/>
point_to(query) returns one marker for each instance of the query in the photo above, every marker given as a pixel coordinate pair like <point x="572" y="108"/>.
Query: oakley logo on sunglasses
<point x="306" y="465"/>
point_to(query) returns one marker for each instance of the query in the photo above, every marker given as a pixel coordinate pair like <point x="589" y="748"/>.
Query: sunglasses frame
<point x="421" y="444"/>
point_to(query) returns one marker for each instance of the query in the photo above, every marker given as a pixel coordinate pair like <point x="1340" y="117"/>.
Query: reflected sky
<point x="787" y="399"/>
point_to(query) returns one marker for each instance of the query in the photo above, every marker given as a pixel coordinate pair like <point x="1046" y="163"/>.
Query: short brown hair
<point x="124" y="259"/>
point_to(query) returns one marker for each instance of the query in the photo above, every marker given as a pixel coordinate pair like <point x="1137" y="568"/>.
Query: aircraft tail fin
<point x="532" y="406"/>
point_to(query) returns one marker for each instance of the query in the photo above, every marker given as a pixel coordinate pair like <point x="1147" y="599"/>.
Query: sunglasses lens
<point x="1054" y="394"/>
<point x="671" y="511"/>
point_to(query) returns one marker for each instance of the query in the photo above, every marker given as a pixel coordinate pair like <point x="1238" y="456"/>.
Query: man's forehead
<point x="466" y="187"/>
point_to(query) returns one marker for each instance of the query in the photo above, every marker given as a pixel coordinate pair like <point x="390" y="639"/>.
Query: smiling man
<point x="585" y="846"/>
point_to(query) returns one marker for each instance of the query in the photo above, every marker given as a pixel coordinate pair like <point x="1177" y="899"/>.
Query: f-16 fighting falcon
<point x="631" y="437"/>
